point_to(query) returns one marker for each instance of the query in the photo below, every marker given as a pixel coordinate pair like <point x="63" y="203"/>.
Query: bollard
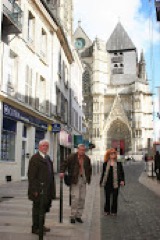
<point x="41" y="212"/>
<point x="152" y="169"/>
<point x="61" y="202"/>
<point x="70" y="197"/>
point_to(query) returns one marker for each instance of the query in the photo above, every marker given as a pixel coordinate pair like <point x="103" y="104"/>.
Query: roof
<point x="119" y="40"/>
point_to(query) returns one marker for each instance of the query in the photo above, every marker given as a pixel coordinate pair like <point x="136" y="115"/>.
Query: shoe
<point x="72" y="220"/>
<point x="106" y="213"/>
<point x="45" y="229"/>
<point x="36" y="231"/>
<point x="79" y="220"/>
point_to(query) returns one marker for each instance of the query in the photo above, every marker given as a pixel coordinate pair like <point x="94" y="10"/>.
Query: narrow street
<point x="138" y="215"/>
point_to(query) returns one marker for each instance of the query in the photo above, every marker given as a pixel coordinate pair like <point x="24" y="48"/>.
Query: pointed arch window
<point x="86" y="82"/>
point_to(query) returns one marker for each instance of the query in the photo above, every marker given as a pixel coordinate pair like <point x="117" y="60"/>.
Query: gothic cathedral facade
<point x="118" y="104"/>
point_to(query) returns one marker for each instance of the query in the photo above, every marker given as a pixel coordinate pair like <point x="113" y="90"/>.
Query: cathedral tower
<point x="63" y="12"/>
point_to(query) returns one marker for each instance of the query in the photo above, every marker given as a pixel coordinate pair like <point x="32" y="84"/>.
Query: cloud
<point x="99" y="18"/>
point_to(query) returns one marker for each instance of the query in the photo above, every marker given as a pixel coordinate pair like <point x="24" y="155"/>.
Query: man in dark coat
<point x="40" y="174"/>
<point x="80" y="170"/>
<point x="157" y="164"/>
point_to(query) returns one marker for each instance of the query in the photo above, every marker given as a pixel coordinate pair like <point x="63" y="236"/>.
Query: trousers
<point x="78" y="194"/>
<point x="111" y="197"/>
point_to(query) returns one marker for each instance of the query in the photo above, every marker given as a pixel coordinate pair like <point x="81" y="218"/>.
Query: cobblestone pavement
<point x="15" y="214"/>
<point x="138" y="210"/>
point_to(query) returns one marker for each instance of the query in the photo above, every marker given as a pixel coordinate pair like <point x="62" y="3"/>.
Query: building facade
<point x="35" y="86"/>
<point x="117" y="100"/>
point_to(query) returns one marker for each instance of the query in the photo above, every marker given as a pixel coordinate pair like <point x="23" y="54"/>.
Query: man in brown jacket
<point x="40" y="173"/>
<point x="80" y="170"/>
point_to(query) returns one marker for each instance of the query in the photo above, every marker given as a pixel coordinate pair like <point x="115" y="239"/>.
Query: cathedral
<point x="117" y="101"/>
<point x="118" y="104"/>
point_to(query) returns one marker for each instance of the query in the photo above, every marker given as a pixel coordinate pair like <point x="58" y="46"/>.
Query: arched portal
<point x="119" y="137"/>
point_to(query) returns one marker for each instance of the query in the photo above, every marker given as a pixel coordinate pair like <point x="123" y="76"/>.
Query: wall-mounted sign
<point x="56" y="127"/>
<point x="16" y="114"/>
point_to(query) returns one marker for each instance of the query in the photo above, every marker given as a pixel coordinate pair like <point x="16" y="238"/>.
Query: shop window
<point x="8" y="146"/>
<point x="8" y="140"/>
<point x="39" y="135"/>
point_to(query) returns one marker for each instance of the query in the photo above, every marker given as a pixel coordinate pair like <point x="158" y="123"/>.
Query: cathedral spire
<point x="142" y="66"/>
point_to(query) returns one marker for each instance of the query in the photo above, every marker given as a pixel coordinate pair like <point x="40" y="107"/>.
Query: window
<point x="60" y="64"/>
<point x="8" y="146"/>
<point x="58" y="94"/>
<point x="37" y="92"/>
<point x="12" y="73"/>
<point x="31" y="28"/>
<point x="86" y="82"/>
<point x="66" y="112"/>
<point x="8" y="140"/>
<point x="28" y="86"/>
<point x="42" y="96"/>
<point x="43" y="51"/>
<point x="80" y="123"/>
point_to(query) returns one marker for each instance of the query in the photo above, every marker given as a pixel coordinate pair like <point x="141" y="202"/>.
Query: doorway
<point x="23" y="160"/>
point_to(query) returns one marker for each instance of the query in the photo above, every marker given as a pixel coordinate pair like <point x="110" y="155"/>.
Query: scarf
<point x="115" y="176"/>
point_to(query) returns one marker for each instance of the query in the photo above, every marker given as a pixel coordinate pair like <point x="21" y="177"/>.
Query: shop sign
<point x="16" y="114"/>
<point x="78" y="139"/>
<point x="56" y="127"/>
<point x="63" y="138"/>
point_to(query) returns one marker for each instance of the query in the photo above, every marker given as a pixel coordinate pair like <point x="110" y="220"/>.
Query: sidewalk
<point x="150" y="182"/>
<point x="15" y="212"/>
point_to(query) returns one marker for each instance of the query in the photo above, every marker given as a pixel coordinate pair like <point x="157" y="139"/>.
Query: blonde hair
<point x="107" y="154"/>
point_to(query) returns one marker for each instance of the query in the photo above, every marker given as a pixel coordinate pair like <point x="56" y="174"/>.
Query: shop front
<point x="65" y="143"/>
<point x="20" y="134"/>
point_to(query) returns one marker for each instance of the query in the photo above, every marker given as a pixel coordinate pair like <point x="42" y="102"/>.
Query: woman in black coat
<point x="112" y="178"/>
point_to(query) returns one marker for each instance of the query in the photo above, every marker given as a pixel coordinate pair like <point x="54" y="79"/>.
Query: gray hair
<point x="81" y="145"/>
<point x="43" y="141"/>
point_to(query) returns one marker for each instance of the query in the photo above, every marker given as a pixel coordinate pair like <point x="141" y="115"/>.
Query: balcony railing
<point x="117" y="71"/>
<point x="117" y="59"/>
<point x="13" y="13"/>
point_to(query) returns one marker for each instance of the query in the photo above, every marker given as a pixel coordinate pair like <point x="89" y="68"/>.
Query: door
<point x="119" y="145"/>
<point x="23" y="160"/>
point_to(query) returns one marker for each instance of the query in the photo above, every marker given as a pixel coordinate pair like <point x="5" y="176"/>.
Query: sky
<point x="138" y="17"/>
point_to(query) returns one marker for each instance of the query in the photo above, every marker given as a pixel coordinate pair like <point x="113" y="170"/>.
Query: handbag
<point x="67" y="179"/>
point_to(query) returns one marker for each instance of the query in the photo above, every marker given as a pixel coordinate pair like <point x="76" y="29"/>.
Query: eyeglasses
<point x="113" y="153"/>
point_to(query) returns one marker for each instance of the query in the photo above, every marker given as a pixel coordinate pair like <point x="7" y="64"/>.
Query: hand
<point x="122" y="183"/>
<point x="61" y="175"/>
<point x="36" y="194"/>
